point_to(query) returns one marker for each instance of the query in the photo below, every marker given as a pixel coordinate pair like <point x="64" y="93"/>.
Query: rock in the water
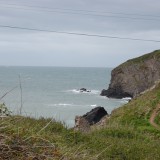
<point x="115" y="93"/>
<point x="135" y="76"/>
<point x="84" y="90"/>
<point x="103" y="92"/>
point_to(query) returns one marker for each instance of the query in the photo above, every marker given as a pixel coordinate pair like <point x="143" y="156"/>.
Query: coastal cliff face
<point x="134" y="76"/>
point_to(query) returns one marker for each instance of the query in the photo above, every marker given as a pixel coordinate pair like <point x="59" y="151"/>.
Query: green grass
<point x="128" y="135"/>
<point x="141" y="59"/>
<point x="114" y="142"/>
<point x="138" y="111"/>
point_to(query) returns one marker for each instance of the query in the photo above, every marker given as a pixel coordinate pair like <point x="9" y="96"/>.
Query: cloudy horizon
<point x="132" y="19"/>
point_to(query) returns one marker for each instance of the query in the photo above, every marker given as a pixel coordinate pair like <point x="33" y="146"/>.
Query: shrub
<point x="4" y="110"/>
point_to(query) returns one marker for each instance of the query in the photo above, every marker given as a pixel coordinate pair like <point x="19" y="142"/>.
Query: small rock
<point x="83" y="89"/>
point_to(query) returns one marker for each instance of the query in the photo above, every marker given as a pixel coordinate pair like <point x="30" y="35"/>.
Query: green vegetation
<point x="128" y="135"/>
<point x="4" y="110"/>
<point x="138" y="111"/>
<point x="141" y="59"/>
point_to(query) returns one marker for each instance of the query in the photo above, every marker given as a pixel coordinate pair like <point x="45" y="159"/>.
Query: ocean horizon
<point x="53" y="92"/>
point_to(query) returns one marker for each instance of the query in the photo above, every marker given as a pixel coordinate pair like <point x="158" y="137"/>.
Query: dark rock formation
<point x="134" y="76"/>
<point x="84" y="90"/>
<point x="95" y="115"/>
<point x="115" y="93"/>
<point x="84" y="122"/>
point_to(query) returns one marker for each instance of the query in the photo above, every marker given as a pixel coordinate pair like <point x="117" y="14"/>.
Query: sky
<point x="138" y="19"/>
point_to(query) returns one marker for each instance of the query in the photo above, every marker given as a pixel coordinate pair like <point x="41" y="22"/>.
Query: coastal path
<point x="154" y="114"/>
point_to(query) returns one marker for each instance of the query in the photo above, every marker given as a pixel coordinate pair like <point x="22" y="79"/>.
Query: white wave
<point x="66" y="105"/>
<point x="95" y="92"/>
<point x="124" y="101"/>
<point x="103" y="97"/>
<point x="76" y="91"/>
<point x="93" y="105"/>
<point x="60" y="104"/>
<point x="127" y="98"/>
<point x="71" y="105"/>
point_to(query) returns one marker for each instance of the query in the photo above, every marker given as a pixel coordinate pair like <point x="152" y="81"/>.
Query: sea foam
<point x="76" y="91"/>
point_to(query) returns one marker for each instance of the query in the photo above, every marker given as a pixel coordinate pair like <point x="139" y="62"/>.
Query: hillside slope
<point x="139" y="110"/>
<point x="128" y="134"/>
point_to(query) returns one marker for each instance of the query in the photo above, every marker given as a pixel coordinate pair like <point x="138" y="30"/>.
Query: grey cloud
<point x="25" y="47"/>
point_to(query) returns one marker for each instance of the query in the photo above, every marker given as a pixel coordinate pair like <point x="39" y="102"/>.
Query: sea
<point x="53" y="92"/>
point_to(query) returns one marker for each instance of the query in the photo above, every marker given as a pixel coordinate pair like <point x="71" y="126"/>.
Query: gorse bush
<point x="4" y="110"/>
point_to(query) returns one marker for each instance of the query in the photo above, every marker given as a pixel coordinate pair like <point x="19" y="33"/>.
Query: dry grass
<point x="127" y="135"/>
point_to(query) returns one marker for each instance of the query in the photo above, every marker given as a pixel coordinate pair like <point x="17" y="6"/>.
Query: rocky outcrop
<point x="84" y="90"/>
<point x="95" y="115"/>
<point x="134" y="76"/>
<point x="84" y="122"/>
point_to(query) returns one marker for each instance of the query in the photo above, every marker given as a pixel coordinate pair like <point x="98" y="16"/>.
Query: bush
<point x="4" y="110"/>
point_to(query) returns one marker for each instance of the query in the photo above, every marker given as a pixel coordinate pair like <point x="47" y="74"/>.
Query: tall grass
<point x="128" y="135"/>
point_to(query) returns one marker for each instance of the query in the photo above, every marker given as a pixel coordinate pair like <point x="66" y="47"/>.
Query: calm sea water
<point x="52" y="91"/>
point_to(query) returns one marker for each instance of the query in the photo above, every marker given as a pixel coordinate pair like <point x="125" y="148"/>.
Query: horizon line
<point x="56" y="66"/>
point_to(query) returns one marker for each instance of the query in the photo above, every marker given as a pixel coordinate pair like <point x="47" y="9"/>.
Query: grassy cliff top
<point x="127" y="135"/>
<point x="139" y="110"/>
<point x="155" y="54"/>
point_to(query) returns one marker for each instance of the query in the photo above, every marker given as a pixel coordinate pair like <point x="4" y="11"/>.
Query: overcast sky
<point x="34" y="48"/>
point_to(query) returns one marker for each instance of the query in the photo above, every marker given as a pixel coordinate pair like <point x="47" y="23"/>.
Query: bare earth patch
<point x="153" y="116"/>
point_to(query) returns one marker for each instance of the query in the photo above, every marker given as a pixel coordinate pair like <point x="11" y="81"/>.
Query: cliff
<point x="134" y="76"/>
